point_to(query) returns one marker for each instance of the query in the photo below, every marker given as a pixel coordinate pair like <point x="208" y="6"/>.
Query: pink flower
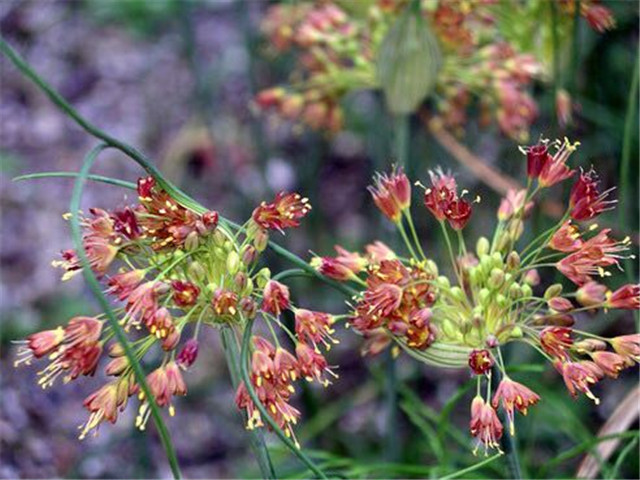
<point x="514" y="395"/>
<point x="485" y="425"/>
<point x="275" y="297"/>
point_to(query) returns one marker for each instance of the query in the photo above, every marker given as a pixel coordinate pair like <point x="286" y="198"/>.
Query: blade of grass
<point x="94" y="285"/>
<point x="615" y="473"/>
<point x="95" y="178"/>
<point x="472" y="468"/>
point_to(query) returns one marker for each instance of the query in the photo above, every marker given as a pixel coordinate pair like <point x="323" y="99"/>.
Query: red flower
<point x="284" y="212"/>
<point x="480" y="361"/>
<point x="275" y="297"/>
<point x="104" y="404"/>
<point x="185" y="294"/>
<point x="314" y="327"/>
<point x="599" y="17"/>
<point x="514" y="395"/>
<point x="485" y="425"/>
<point x="627" y="346"/>
<point x="442" y="192"/>
<point x="122" y="285"/>
<point x="566" y="238"/>
<point x="378" y="251"/>
<point x="188" y="354"/>
<point x="165" y="383"/>
<point x="560" y="304"/>
<point x="312" y="364"/>
<point x="578" y="376"/>
<point x="45" y="342"/>
<point x="345" y="266"/>
<point x="537" y="158"/>
<point x="160" y="323"/>
<point x="555" y="169"/>
<point x="383" y="299"/>
<point x="556" y="341"/>
<point x="224" y="302"/>
<point x="610" y="363"/>
<point x="626" y="297"/>
<point x="392" y="194"/>
<point x="586" y="201"/>
<point x="458" y="213"/>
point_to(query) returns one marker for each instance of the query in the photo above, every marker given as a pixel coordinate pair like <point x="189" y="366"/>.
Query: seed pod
<point x="553" y="291"/>
<point x="482" y="247"/>
<point x="408" y="62"/>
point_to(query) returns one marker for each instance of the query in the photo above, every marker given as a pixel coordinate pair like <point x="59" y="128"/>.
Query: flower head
<point x="513" y="395"/>
<point x="626" y="297"/>
<point x="628" y="347"/>
<point x="578" y="377"/>
<point x="392" y="194"/>
<point x="480" y="361"/>
<point x="537" y="158"/>
<point x="586" y="201"/>
<point x="485" y="425"/>
<point x="275" y="297"/>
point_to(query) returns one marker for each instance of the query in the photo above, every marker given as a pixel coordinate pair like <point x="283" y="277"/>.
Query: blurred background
<point x="178" y="79"/>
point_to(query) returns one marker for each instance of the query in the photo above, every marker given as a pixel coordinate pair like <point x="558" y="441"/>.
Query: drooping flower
<point x="513" y="203"/>
<point x="458" y="213"/>
<point x="123" y="284"/>
<point x="591" y="294"/>
<point x="513" y="395"/>
<point x="275" y="297"/>
<point x="188" y="354"/>
<point x="485" y="425"/>
<point x="555" y="169"/>
<point x="105" y="403"/>
<point x="578" y="376"/>
<point x="610" y="363"/>
<point x="312" y="364"/>
<point x="345" y="266"/>
<point x="566" y="238"/>
<point x="314" y="327"/>
<point x="184" y="293"/>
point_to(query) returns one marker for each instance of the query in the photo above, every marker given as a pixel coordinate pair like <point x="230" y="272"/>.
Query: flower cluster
<point x="495" y="295"/>
<point x="172" y="270"/>
<point x="485" y="61"/>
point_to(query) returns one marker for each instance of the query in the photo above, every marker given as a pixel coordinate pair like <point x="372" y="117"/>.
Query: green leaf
<point x="408" y="62"/>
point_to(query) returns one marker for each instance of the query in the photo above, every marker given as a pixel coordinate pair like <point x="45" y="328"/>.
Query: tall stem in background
<point x="624" y="215"/>
<point x="508" y="442"/>
<point x="392" y="439"/>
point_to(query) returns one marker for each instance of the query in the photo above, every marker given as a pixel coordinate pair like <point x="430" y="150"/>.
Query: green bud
<point x="443" y="282"/>
<point x="240" y="280"/>
<point x="431" y="267"/>
<point x="496" y="279"/>
<point x="515" y="291"/>
<point x="218" y="238"/>
<point x="249" y="254"/>
<point x="516" y="332"/>
<point x="178" y="254"/>
<point x="192" y="241"/>
<point x="233" y="262"/>
<point x="248" y="289"/>
<point x="484" y="295"/>
<point x="260" y="240"/>
<point x="262" y="277"/>
<point x="211" y="287"/>
<point x="196" y="271"/>
<point x="458" y="294"/>
<point x="501" y="300"/>
<point x="553" y="291"/>
<point x="527" y="291"/>
<point x="498" y="262"/>
<point x="482" y="247"/>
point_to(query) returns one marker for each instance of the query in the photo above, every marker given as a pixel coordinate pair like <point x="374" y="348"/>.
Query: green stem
<point x="414" y="234"/>
<point x="625" y="165"/>
<point x="94" y="285"/>
<point x="401" y="139"/>
<point x="256" y="437"/>
<point x="508" y="441"/>
<point x="246" y="378"/>
<point x="464" y="471"/>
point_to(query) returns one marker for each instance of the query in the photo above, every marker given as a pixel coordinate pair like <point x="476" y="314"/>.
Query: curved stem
<point x="508" y="441"/>
<point x="256" y="438"/>
<point x="244" y="372"/>
<point x="94" y="285"/>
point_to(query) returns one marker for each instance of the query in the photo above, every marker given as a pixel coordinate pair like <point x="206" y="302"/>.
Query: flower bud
<point x="496" y="279"/>
<point x="515" y="291"/>
<point x="484" y="296"/>
<point x="458" y="294"/>
<point x="262" y="277"/>
<point x="431" y="267"/>
<point x="191" y="242"/>
<point x="589" y="345"/>
<point x="513" y="261"/>
<point x="196" y="271"/>
<point x="527" y="291"/>
<point x="248" y="307"/>
<point x="260" y="240"/>
<point x="502" y="301"/>
<point x="116" y="350"/>
<point x="218" y="238"/>
<point x="443" y="282"/>
<point x="553" y="291"/>
<point x="233" y="262"/>
<point x="117" y="366"/>
<point x="171" y="341"/>
<point x="532" y="278"/>
<point x="482" y="247"/>
<point x="516" y="332"/>
<point x="560" y="304"/>
<point x="249" y="255"/>
<point x="591" y="294"/>
<point x="188" y="354"/>
<point x="240" y="280"/>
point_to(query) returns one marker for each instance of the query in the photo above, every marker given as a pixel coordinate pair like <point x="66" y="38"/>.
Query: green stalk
<point x="94" y="285"/>
<point x="401" y="140"/>
<point x="625" y="163"/>
<point x="246" y="378"/>
<point x="256" y="437"/>
<point x="508" y="441"/>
